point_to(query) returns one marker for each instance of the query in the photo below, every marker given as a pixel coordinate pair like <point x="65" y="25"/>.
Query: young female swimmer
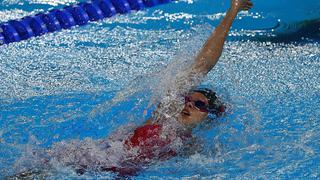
<point x="154" y="141"/>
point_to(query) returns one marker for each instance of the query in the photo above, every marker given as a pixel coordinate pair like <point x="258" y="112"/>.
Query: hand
<point x="241" y="5"/>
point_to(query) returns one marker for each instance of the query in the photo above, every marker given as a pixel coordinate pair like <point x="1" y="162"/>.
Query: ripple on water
<point x="272" y="89"/>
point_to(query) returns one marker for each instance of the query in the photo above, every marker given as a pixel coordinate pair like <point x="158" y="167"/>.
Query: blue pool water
<point x="81" y="84"/>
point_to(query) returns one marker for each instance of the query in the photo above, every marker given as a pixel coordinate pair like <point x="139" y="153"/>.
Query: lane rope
<point x="69" y="16"/>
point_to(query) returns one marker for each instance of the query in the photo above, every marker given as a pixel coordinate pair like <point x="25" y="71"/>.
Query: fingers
<point x="247" y="6"/>
<point x="242" y="5"/>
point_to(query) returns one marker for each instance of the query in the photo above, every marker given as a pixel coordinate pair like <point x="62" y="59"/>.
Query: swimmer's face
<point x="191" y="115"/>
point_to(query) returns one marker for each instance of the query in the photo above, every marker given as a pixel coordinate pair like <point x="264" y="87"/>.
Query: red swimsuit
<point x="147" y="144"/>
<point x="150" y="144"/>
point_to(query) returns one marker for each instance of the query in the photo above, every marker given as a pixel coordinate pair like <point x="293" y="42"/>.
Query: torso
<point x="150" y="143"/>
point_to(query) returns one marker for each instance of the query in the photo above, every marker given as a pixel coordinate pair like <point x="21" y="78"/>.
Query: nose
<point x="189" y="104"/>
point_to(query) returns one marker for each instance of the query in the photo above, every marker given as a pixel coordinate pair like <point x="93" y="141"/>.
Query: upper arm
<point x="207" y="58"/>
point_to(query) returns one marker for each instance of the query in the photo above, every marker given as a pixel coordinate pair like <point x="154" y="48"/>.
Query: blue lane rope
<point x="67" y="17"/>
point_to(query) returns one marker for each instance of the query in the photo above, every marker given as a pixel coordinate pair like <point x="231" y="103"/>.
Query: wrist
<point x="233" y="11"/>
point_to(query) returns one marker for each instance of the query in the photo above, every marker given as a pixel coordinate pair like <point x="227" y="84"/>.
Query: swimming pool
<point x="65" y="86"/>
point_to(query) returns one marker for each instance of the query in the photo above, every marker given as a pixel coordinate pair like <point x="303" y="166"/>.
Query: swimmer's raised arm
<point x="204" y="62"/>
<point x="212" y="49"/>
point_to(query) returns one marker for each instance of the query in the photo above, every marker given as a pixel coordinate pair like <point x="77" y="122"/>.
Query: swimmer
<point x="158" y="138"/>
<point x="153" y="140"/>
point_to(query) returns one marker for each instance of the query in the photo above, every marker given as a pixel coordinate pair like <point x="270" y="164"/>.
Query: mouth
<point x="186" y="113"/>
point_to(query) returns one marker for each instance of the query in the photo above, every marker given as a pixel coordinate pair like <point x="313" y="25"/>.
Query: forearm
<point x="212" y="49"/>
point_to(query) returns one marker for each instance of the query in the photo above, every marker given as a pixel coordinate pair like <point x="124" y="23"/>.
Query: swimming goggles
<point x="199" y="105"/>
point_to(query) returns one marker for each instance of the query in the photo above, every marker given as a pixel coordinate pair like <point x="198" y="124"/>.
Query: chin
<point x="185" y="119"/>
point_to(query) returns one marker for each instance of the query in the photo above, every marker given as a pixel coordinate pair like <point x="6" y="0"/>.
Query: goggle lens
<point x="200" y="105"/>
